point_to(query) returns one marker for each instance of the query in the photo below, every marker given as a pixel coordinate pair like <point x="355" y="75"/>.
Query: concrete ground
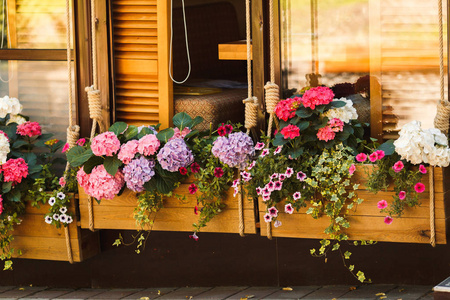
<point x="373" y="291"/>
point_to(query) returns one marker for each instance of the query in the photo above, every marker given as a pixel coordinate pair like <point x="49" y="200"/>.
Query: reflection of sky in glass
<point x="350" y="33"/>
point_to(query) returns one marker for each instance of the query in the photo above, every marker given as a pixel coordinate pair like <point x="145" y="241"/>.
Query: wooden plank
<point x="185" y="293"/>
<point x="34" y="226"/>
<point x="233" y="50"/>
<point x="257" y="293"/>
<point x="220" y="292"/>
<point x="296" y="293"/>
<point x="167" y="219"/>
<point x="136" y="66"/>
<point x="402" y="230"/>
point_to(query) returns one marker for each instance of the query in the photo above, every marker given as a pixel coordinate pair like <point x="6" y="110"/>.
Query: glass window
<point x="382" y="54"/>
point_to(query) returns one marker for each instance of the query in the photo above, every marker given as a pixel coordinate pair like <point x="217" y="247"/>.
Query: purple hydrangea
<point x="137" y="172"/>
<point x="235" y="151"/>
<point x="174" y="155"/>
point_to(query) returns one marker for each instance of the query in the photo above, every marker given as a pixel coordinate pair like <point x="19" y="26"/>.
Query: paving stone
<point x="185" y="293"/>
<point x="82" y="294"/>
<point x="257" y="292"/>
<point x="411" y="292"/>
<point x="329" y="292"/>
<point x="20" y="292"/>
<point x="152" y="293"/>
<point x="220" y="292"/>
<point x="6" y="288"/>
<point x="368" y="291"/>
<point x="296" y="293"/>
<point x="115" y="294"/>
<point x="48" y="294"/>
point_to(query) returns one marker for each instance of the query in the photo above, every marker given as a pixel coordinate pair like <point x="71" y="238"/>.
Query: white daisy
<point x="63" y="218"/>
<point x="56" y="217"/>
<point x="63" y="210"/>
<point x="48" y="219"/>
<point x="61" y="195"/>
<point x="69" y="220"/>
<point x="52" y="201"/>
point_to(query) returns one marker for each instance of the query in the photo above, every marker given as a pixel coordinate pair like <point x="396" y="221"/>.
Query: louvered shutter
<point x="140" y="43"/>
<point x="405" y="59"/>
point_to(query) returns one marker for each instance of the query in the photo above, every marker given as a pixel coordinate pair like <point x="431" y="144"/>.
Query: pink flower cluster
<point x="29" y="129"/>
<point x="105" y="143"/>
<point x="223" y="130"/>
<point x="376" y="155"/>
<point x="128" y="151"/>
<point x="290" y="132"/>
<point x="275" y="184"/>
<point x="148" y="145"/>
<point x="14" y="170"/>
<point x="326" y="134"/>
<point x="336" y="125"/>
<point x="272" y="212"/>
<point x="99" y="184"/>
<point x="180" y="134"/>
<point x="285" y="109"/>
<point x="317" y="96"/>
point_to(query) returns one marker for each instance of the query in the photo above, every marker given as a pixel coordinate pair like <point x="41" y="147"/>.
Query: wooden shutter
<point x="405" y="60"/>
<point x="140" y="43"/>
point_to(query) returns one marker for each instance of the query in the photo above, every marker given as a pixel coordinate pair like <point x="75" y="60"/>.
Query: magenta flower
<point x="402" y="195"/>
<point x="352" y="169"/>
<point x="297" y="195"/>
<point x="266" y="197"/>
<point x="236" y="182"/>
<point x="65" y="148"/>
<point x="289" y="172"/>
<point x="273" y="211"/>
<point x="195" y="167"/>
<point x="382" y="204"/>
<point x="373" y="157"/>
<point x="398" y="166"/>
<point x="268" y="218"/>
<point x="250" y="166"/>
<point x="278" y="150"/>
<point x="259" y="146"/>
<point x="182" y="170"/>
<point x="380" y="154"/>
<point x="281" y="177"/>
<point x="29" y="129"/>
<point x="264" y="152"/>
<point x="270" y="186"/>
<point x="422" y="169"/>
<point x="361" y="157"/>
<point x="288" y="208"/>
<point x="278" y="185"/>
<point x="258" y="191"/>
<point x="388" y="220"/>
<point x="419" y="187"/>
<point x="218" y="172"/>
<point x="14" y="170"/>
<point x="290" y="132"/>
<point x="193" y="189"/>
<point x="196" y="210"/>
<point x="194" y="236"/>
<point x="81" y="142"/>
<point x="274" y="176"/>
<point x="301" y="176"/>
<point x="62" y="181"/>
<point x="265" y="191"/>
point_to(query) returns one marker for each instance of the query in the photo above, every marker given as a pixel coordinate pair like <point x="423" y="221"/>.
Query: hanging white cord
<point x="171" y="41"/>
<point x="5" y="8"/>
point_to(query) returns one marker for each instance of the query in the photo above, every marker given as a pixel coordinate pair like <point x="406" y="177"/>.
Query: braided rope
<point x="68" y="245"/>
<point x="251" y="113"/>
<point x="95" y="108"/>
<point x="432" y="211"/>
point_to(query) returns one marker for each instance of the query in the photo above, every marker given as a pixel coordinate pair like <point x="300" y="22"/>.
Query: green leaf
<point x="351" y="267"/>
<point x="8" y="265"/>
<point x="30" y="158"/>
<point x="118" y="128"/>
<point x="165" y="135"/>
<point x="112" y="164"/>
<point x="78" y="155"/>
<point x="337" y="104"/>
<point x="117" y="242"/>
<point x="131" y="132"/>
<point x="320" y="108"/>
<point x="182" y="120"/>
<point x="92" y="163"/>
<point x="6" y="187"/>
<point x="361" y="276"/>
<point x="303" y="125"/>
<point x="36" y="169"/>
<point x="279" y="140"/>
<point x="197" y="120"/>
<point x="144" y="131"/>
<point x="388" y="147"/>
<point x="163" y="181"/>
<point x="19" y="143"/>
<point x="347" y="254"/>
<point x="45" y="136"/>
<point x="14" y="195"/>
<point x="336" y="247"/>
<point x="294" y="153"/>
<point x="191" y="134"/>
<point x="304" y="112"/>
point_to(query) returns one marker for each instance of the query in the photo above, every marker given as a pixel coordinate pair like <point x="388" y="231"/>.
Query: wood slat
<point x="49" y="248"/>
<point x="134" y="66"/>
<point x="139" y="9"/>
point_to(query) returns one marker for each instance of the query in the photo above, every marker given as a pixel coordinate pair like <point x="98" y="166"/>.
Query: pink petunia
<point x="382" y="204"/>
<point x="380" y="154"/>
<point x="65" y="148"/>
<point x="398" y="166"/>
<point x="195" y="167"/>
<point x="422" y="169"/>
<point x="277" y="223"/>
<point x="81" y="142"/>
<point x="373" y="157"/>
<point x="301" y="176"/>
<point x="182" y="170"/>
<point x="288" y="208"/>
<point x="419" y="187"/>
<point x="402" y="195"/>
<point x="193" y="189"/>
<point x="361" y="157"/>
<point x="218" y="172"/>
<point x="273" y="211"/>
<point x="194" y="236"/>
<point x="352" y="169"/>
<point x="388" y="220"/>
<point x="259" y="146"/>
<point x="268" y="218"/>
<point x="297" y="195"/>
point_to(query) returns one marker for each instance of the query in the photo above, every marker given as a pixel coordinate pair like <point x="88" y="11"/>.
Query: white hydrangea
<point x="423" y="146"/>
<point x="4" y="148"/>
<point x="16" y="119"/>
<point x="9" y="106"/>
<point x="344" y="113"/>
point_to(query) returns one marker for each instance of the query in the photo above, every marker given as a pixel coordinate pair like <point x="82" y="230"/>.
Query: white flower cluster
<point x="344" y="113"/>
<point x="4" y="148"/>
<point x="423" y="146"/>
<point x="9" y="106"/>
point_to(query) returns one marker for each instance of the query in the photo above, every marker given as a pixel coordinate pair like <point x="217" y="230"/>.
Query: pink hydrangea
<point x="105" y="143"/>
<point x="148" y="145"/>
<point x="14" y="170"/>
<point x="128" y="151"/>
<point x="290" y="131"/>
<point x="336" y="124"/>
<point x="317" y="96"/>
<point x="29" y="129"/>
<point x="285" y="109"/>
<point x="100" y="184"/>
<point x="180" y="134"/>
<point x="326" y="134"/>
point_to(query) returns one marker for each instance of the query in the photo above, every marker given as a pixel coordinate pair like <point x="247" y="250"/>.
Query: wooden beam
<point x="34" y="54"/>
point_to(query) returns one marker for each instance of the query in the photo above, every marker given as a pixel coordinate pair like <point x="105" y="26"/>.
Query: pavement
<point x="342" y="292"/>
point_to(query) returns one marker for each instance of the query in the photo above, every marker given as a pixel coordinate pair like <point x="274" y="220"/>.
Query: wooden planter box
<point x="176" y="215"/>
<point x="366" y="221"/>
<point x="39" y="240"/>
